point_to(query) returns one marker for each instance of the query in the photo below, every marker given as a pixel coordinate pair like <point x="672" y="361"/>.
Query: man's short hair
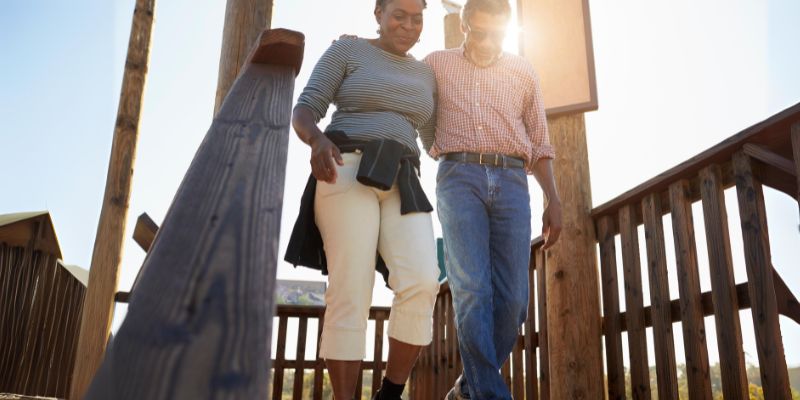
<point x="492" y="7"/>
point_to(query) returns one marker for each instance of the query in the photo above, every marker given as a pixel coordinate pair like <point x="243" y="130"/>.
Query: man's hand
<point x="324" y="157"/>
<point x="551" y="224"/>
<point x="345" y="36"/>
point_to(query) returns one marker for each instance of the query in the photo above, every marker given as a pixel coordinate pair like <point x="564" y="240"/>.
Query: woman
<point x="364" y="196"/>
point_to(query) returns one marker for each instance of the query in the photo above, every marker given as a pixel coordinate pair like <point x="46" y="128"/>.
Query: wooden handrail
<point x="200" y="321"/>
<point x="770" y="134"/>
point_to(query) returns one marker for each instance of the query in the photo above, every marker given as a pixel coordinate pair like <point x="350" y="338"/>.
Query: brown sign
<point x="557" y="38"/>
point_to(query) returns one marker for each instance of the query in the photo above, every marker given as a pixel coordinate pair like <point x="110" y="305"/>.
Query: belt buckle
<point x="493" y="163"/>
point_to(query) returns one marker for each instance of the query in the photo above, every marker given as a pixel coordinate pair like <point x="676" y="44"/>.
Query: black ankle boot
<point x="389" y="391"/>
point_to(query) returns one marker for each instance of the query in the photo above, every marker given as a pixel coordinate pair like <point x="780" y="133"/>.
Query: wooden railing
<point x="440" y="363"/>
<point x="297" y="363"/>
<point x="40" y="309"/>
<point x="760" y="155"/>
<point x="199" y="322"/>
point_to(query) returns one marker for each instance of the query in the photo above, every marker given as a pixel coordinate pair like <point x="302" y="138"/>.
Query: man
<point x="490" y="133"/>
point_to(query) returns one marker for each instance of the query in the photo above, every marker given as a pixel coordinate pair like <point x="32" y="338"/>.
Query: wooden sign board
<point x="557" y="38"/>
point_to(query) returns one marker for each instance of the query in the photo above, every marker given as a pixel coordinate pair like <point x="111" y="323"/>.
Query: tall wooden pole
<point x="199" y="325"/>
<point x="244" y="22"/>
<point x="98" y="305"/>
<point x="453" y="37"/>
<point x="573" y="301"/>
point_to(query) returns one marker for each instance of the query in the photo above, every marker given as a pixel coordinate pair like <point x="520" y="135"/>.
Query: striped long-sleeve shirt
<point x="377" y="94"/>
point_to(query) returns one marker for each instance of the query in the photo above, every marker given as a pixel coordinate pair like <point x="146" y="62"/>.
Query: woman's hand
<point x="324" y="157"/>
<point x="324" y="154"/>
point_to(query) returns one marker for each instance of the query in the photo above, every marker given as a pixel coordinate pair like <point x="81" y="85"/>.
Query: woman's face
<point x="401" y="24"/>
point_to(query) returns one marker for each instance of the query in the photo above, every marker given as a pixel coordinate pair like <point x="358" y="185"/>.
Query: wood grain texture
<point x="531" y="349"/>
<point x="145" y="231"/>
<point x="615" y="368"/>
<point x="108" y="246"/>
<point x="203" y="309"/>
<point x="666" y="368"/>
<point x="245" y="20"/>
<point x="634" y="303"/>
<point x="770" y="158"/>
<point x="763" y="302"/>
<point x="796" y="157"/>
<point x="573" y="299"/>
<point x="770" y="133"/>
<point x="453" y="37"/>
<point x="691" y="308"/>
<point x="726" y="307"/>
<point x="40" y="308"/>
<point x="543" y="334"/>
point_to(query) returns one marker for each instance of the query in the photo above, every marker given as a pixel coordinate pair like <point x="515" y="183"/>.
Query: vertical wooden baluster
<point x="726" y="304"/>
<point x="612" y="324"/>
<point x="666" y="369"/>
<point x="637" y="340"/>
<point x="769" y="343"/>
<point x="694" y="329"/>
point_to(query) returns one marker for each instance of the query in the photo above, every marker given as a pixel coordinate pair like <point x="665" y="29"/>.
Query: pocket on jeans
<point x="519" y="175"/>
<point x="446" y="168"/>
<point x="345" y="179"/>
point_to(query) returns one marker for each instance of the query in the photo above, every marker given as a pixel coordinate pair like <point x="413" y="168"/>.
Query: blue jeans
<point x="486" y="223"/>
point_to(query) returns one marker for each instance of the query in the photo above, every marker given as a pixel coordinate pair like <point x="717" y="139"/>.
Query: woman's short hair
<point x="382" y="3"/>
<point x="493" y="7"/>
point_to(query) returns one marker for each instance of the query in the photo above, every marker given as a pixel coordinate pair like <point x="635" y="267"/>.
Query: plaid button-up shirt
<point x="497" y="109"/>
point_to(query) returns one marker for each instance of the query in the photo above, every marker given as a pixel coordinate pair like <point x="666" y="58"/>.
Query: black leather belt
<point x="494" y="160"/>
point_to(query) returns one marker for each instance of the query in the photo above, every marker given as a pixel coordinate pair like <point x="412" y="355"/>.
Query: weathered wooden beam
<point x="726" y="307"/>
<point x="787" y="302"/>
<point x="531" y="384"/>
<point x="99" y="303"/>
<point x="666" y="370"/>
<point x="573" y="298"/>
<point x="200" y="322"/>
<point x="542" y="341"/>
<point x="634" y="303"/>
<point x="761" y="285"/>
<point x="615" y="365"/>
<point x="145" y="232"/>
<point x="453" y="37"/>
<point x="770" y="133"/>
<point x="768" y="157"/>
<point x="796" y="156"/>
<point x="690" y="308"/>
<point x="244" y="22"/>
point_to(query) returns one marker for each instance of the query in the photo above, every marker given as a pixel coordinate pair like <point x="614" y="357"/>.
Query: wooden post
<point x="573" y="302"/>
<point x="104" y="272"/>
<point x="694" y="328"/>
<point x="796" y="156"/>
<point x="723" y="286"/>
<point x="453" y="37"/>
<point x="244" y="22"/>
<point x="613" y="324"/>
<point x="761" y="283"/>
<point x="200" y="322"/>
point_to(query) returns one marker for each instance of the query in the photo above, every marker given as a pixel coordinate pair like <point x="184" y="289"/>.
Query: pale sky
<point x="674" y="78"/>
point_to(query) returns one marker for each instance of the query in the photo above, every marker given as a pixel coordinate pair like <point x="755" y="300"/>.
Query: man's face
<point x="484" y="37"/>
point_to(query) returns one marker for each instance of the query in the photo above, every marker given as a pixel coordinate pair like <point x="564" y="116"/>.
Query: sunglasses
<point x="495" y="36"/>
